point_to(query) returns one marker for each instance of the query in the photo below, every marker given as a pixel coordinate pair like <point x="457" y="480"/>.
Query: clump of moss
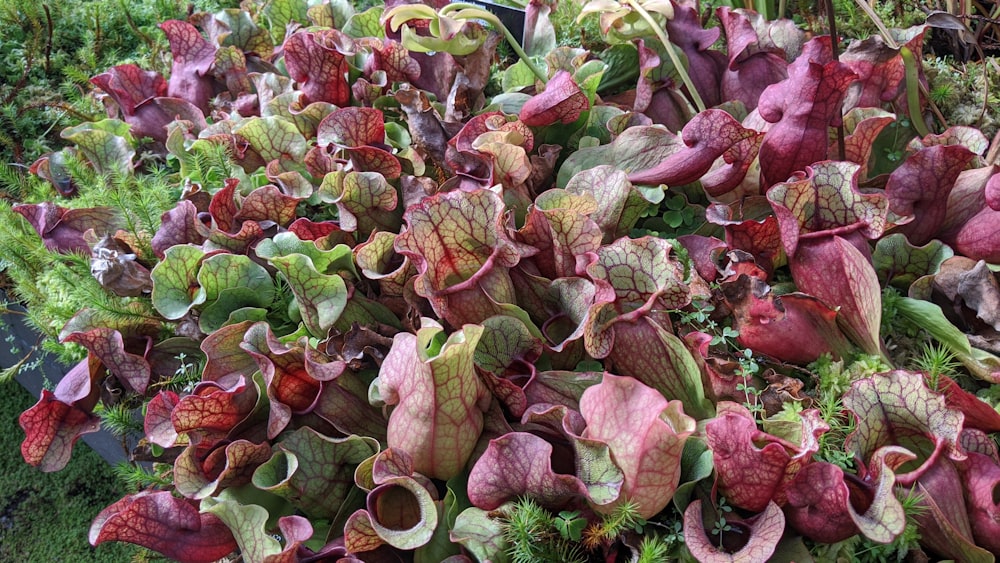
<point x="958" y="91"/>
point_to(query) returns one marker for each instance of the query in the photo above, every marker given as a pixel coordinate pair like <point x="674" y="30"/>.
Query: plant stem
<point x="835" y="45"/>
<point x="913" y="91"/>
<point x="662" y="35"/>
<point x="473" y="12"/>
<point x="48" y="44"/>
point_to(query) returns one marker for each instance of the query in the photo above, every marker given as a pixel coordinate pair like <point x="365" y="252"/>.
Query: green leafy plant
<point x="632" y="18"/>
<point x="532" y="534"/>
<point x="720" y="526"/>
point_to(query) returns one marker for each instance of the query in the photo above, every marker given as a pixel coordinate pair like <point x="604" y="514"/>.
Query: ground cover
<point x="45" y="516"/>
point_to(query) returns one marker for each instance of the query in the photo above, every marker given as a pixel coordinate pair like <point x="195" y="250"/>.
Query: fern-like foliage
<point x="54" y="286"/>
<point x="137" y="478"/>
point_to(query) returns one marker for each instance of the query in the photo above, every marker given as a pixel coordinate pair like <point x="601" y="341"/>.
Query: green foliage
<point x="51" y="49"/>
<point x="936" y="360"/>
<point x="699" y="318"/>
<point x="136" y="477"/>
<point x="790" y="412"/>
<point x="569" y="33"/>
<point x="720" y="525"/>
<point x="535" y="535"/>
<point x="623" y="519"/>
<point x="119" y="419"/>
<point x="55" y="286"/>
<point x="570" y="525"/>
<point x="853" y="22"/>
<point x="958" y="91"/>
<point x="674" y="216"/>
<point x="653" y="550"/>
<point x="532" y="536"/>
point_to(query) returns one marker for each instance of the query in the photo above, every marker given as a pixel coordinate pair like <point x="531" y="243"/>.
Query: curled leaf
<point x="982" y="477"/>
<point x="562" y="101"/>
<point x="619" y="204"/>
<point x="770" y="324"/>
<point x="828" y="505"/>
<point x="826" y="201"/>
<point x="457" y="242"/>
<point x="51" y="428"/>
<point x="400" y="509"/>
<point x="62" y="229"/>
<point x="835" y="271"/>
<point x="317" y="62"/>
<point x="897" y="408"/>
<point x="165" y="524"/>
<point x="753" y="467"/>
<point x="315" y="472"/>
<point x="518" y="464"/>
<point x="920" y="187"/>
<point x="801" y="109"/>
<point x="709" y="135"/>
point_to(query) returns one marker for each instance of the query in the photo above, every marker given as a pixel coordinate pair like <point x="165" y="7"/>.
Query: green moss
<point x="46" y="516"/>
<point x="958" y="93"/>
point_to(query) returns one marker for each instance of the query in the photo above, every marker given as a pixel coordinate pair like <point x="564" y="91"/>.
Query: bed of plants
<point x="384" y="284"/>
